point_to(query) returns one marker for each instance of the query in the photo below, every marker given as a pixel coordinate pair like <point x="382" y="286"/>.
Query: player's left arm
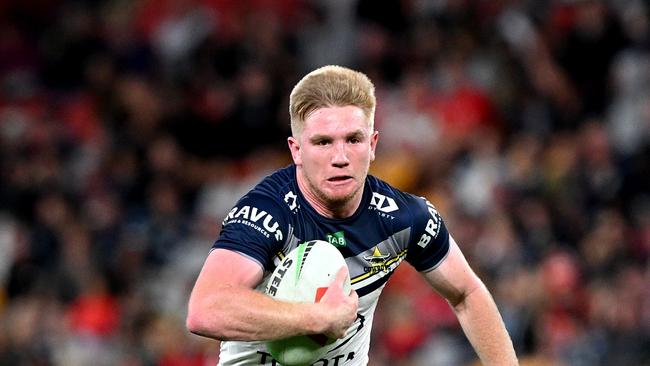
<point x="474" y="307"/>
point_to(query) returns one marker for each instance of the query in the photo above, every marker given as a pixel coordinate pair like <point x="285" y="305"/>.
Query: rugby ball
<point x="304" y="275"/>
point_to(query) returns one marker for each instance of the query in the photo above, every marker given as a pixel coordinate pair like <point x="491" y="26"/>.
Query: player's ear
<point x="373" y="144"/>
<point x="294" y="147"/>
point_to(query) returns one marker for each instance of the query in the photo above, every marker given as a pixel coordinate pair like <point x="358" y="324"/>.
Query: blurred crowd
<point x="128" y="129"/>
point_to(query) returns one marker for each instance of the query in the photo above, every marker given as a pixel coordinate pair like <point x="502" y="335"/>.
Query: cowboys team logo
<point x="377" y="262"/>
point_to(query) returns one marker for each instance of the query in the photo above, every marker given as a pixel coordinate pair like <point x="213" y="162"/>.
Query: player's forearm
<point x="482" y="323"/>
<point x="236" y="313"/>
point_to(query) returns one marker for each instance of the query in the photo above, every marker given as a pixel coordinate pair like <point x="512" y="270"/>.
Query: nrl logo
<point x="377" y="262"/>
<point x="291" y="199"/>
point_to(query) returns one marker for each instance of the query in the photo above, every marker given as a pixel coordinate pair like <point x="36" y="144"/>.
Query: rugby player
<point x="327" y="194"/>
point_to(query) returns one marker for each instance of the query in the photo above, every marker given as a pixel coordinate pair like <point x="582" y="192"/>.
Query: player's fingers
<point x="350" y="329"/>
<point x="341" y="275"/>
<point x="354" y="296"/>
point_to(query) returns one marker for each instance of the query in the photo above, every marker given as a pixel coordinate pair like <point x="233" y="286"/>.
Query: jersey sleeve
<point x="429" y="243"/>
<point x="255" y="227"/>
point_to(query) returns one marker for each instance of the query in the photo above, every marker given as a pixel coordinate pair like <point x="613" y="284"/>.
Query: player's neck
<point x="325" y="208"/>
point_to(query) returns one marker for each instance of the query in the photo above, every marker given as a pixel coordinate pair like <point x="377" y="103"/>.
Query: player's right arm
<point x="224" y="305"/>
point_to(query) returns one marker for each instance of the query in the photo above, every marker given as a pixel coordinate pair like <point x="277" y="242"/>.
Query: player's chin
<point x="341" y="195"/>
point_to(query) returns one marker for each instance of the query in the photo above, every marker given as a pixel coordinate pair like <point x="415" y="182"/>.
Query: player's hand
<point x="340" y="309"/>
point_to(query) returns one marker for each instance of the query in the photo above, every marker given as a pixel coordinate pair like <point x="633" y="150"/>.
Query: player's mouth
<point x="339" y="179"/>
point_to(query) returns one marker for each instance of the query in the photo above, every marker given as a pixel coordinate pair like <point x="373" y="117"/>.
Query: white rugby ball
<point x="303" y="276"/>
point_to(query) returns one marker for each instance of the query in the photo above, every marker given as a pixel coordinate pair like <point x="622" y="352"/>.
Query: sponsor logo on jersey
<point x="338" y="360"/>
<point x="335" y="356"/>
<point x="259" y="220"/>
<point x="432" y="229"/>
<point x="337" y="239"/>
<point x="383" y="203"/>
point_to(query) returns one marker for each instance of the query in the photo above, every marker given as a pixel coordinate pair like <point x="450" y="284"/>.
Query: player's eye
<point x="356" y="138"/>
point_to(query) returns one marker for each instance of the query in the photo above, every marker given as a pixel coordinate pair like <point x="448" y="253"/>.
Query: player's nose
<point x="340" y="155"/>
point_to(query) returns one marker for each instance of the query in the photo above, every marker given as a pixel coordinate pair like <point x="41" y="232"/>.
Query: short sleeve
<point x="255" y="227"/>
<point x="429" y="243"/>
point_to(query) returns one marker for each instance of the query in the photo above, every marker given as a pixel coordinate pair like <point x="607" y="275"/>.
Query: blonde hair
<point x="330" y="86"/>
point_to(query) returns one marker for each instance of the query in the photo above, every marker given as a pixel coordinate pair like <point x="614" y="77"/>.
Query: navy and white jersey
<point x="389" y="226"/>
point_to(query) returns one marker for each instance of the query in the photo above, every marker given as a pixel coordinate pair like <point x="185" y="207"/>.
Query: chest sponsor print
<point x="256" y="218"/>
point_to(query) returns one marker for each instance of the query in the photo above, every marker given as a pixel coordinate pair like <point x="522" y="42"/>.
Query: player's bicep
<point x="227" y="267"/>
<point x="223" y="268"/>
<point x="454" y="279"/>
<point x="222" y="271"/>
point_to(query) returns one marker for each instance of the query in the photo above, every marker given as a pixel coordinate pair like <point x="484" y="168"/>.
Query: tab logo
<point x="337" y="239"/>
<point x="383" y="203"/>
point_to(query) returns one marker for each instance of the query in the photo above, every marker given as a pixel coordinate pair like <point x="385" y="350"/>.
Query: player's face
<point x="333" y="155"/>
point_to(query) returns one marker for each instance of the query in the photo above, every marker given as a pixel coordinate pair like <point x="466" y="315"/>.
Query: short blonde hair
<point x="331" y="86"/>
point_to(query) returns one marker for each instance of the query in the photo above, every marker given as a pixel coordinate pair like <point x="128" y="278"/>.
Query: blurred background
<point x="128" y="129"/>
